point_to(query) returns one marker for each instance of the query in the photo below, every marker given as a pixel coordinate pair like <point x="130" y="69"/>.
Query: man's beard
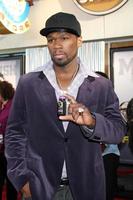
<point x="63" y="63"/>
<point x="60" y="63"/>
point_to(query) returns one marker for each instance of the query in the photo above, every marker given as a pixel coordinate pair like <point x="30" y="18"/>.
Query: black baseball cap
<point x="62" y="22"/>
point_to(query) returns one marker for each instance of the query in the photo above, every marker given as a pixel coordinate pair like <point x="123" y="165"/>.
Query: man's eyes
<point x="65" y="38"/>
<point x="50" y="40"/>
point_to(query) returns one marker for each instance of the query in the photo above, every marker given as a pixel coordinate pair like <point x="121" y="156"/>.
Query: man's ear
<point x="79" y="41"/>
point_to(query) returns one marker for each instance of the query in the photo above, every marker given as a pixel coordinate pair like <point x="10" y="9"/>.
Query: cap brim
<point x="46" y="31"/>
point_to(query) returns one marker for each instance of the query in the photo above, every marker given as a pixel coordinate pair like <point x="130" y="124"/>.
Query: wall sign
<point x="121" y="68"/>
<point x="14" y="15"/>
<point x="99" y="7"/>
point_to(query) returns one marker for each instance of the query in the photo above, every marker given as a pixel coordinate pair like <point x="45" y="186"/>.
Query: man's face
<point x="63" y="47"/>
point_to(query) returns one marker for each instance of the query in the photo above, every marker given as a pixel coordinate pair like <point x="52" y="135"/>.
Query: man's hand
<point x="78" y="113"/>
<point x="26" y="191"/>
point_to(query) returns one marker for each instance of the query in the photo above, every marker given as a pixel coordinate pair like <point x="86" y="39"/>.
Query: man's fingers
<point x="70" y="98"/>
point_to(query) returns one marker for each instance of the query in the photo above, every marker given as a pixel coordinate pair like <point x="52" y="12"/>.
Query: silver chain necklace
<point x="73" y="77"/>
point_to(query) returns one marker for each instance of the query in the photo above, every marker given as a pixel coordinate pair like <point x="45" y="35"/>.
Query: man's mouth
<point x="59" y="55"/>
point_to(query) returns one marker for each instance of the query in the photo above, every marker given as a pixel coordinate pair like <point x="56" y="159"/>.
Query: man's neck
<point x="65" y="77"/>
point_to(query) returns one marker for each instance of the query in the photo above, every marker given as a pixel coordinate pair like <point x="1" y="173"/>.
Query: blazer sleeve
<point x="15" y="140"/>
<point x="110" y="127"/>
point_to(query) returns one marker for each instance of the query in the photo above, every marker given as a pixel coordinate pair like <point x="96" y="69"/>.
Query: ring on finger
<point x="80" y="110"/>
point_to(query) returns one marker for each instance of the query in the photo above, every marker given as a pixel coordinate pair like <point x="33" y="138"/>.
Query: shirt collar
<point x="84" y="69"/>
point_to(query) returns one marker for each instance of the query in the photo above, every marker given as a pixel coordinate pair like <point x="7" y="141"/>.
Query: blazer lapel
<point x="84" y="96"/>
<point x="48" y="97"/>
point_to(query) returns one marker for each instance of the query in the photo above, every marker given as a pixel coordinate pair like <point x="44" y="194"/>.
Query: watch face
<point x="14" y="15"/>
<point x="99" y="7"/>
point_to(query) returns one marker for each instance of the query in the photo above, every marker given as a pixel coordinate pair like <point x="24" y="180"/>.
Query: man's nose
<point x="57" y="43"/>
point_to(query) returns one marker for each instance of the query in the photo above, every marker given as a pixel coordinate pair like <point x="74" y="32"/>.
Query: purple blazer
<point x="36" y="144"/>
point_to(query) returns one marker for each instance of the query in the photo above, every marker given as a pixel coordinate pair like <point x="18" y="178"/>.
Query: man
<point x="52" y="156"/>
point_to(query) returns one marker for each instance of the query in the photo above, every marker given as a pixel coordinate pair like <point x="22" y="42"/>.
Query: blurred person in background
<point x="129" y="112"/>
<point x="6" y="95"/>
<point x="1" y="77"/>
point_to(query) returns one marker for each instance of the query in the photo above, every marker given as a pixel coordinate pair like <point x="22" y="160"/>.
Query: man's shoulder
<point x="31" y="75"/>
<point x="30" y="78"/>
<point x="99" y="79"/>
